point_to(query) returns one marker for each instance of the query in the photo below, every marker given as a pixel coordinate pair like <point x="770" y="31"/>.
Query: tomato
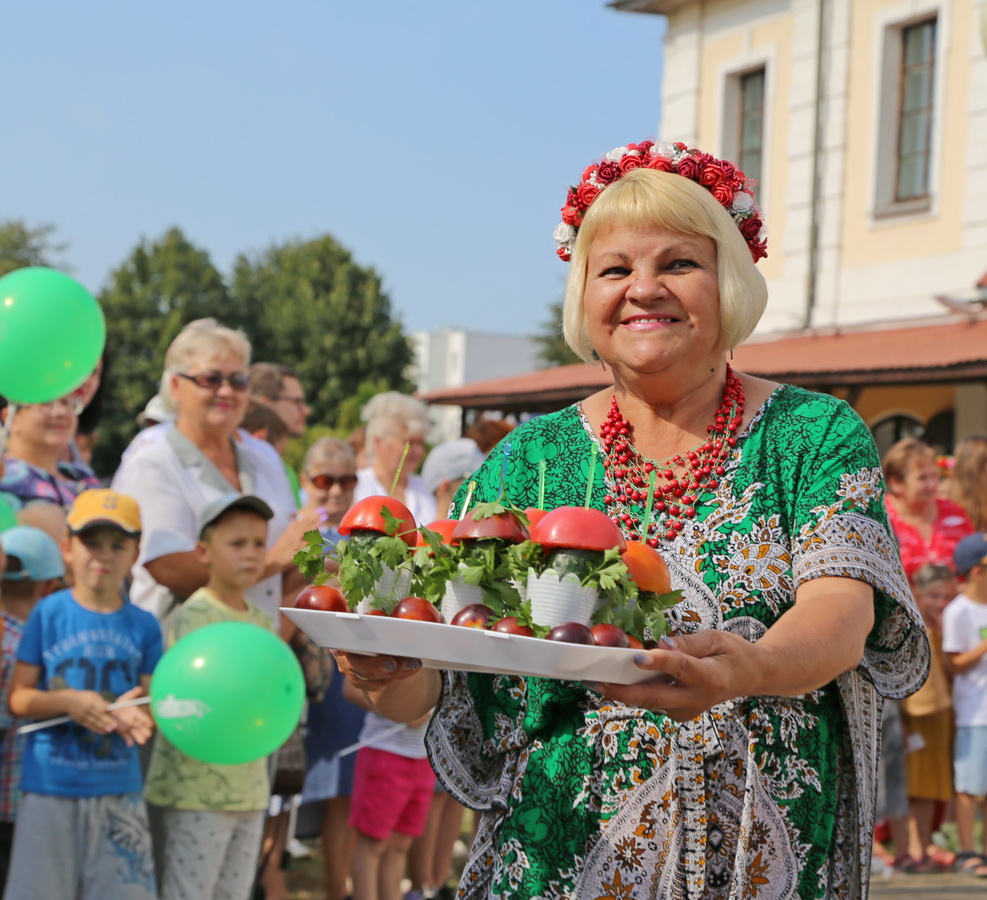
<point x="578" y="528"/>
<point x="647" y="568"/>
<point x="503" y="526"/>
<point x="534" y="516"/>
<point x="416" y="608"/>
<point x="366" y="516"/>
<point x="443" y="527"/>
<point x="321" y="596"/>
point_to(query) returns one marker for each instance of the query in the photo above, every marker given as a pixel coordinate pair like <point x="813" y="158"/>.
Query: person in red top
<point x="928" y="527"/>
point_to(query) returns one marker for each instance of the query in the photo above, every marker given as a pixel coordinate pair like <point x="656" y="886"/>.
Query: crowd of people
<point x="744" y="765"/>
<point x="199" y="524"/>
<point x="934" y="767"/>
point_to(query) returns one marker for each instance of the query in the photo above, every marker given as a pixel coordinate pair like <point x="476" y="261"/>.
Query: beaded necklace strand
<point x="675" y="500"/>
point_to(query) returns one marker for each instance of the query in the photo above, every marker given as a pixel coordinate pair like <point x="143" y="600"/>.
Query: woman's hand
<point x="374" y="673"/>
<point x="282" y="554"/>
<point x="817" y="639"/>
<point x="693" y="673"/>
<point x="396" y="687"/>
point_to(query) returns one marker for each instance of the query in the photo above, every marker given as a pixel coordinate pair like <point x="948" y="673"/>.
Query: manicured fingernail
<point x="669" y="643"/>
<point x="410" y="664"/>
<point x="389" y="665"/>
<point x="642" y="659"/>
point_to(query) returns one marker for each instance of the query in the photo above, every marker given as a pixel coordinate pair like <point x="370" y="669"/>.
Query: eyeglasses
<point x="327" y="482"/>
<point x="213" y="381"/>
<point x="73" y="404"/>
<point x="298" y="401"/>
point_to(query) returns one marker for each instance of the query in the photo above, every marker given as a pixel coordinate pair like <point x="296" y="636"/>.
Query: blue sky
<point x="434" y="139"/>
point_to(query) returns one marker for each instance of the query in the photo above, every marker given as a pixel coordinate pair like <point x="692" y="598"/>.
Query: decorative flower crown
<point x="731" y="188"/>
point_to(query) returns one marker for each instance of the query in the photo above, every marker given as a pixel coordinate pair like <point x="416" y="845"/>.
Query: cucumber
<point x="576" y="562"/>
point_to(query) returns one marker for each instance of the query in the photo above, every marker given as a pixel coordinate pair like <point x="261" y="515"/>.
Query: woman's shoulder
<point x="547" y="424"/>
<point x="796" y="411"/>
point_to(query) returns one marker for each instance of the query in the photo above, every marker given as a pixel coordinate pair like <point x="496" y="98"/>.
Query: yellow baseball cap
<point x="103" y="507"/>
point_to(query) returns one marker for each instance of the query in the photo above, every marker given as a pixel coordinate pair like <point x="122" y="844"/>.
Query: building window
<point x="915" y="109"/>
<point x="750" y="139"/>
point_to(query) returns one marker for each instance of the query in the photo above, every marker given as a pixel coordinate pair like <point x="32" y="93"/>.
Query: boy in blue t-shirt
<point x="83" y="649"/>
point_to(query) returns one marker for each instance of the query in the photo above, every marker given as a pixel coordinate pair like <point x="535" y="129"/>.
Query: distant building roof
<point x="932" y="351"/>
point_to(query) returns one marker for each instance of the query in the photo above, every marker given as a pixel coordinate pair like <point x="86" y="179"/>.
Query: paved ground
<point x="946" y="886"/>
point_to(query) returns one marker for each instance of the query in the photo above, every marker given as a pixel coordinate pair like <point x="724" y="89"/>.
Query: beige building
<point x="865" y="122"/>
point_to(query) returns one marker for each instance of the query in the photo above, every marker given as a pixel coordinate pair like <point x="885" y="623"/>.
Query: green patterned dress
<point x="761" y="797"/>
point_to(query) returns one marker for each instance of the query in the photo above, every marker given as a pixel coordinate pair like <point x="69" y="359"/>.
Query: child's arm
<point x="959" y="663"/>
<point x="134" y="723"/>
<point x="87" y="708"/>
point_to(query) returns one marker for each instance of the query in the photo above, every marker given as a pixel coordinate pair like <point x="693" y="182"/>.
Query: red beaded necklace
<point x="674" y="501"/>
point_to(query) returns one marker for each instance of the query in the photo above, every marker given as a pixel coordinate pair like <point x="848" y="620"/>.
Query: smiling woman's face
<point x="652" y="299"/>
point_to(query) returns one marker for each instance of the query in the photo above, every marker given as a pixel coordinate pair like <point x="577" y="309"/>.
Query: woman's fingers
<point x="368" y="672"/>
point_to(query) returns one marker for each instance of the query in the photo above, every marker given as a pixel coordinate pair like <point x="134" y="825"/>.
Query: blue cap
<point x="32" y="554"/>
<point x="969" y="552"/>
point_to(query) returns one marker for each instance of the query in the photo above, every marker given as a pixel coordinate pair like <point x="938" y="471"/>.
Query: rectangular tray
<point x="468" y="649"/>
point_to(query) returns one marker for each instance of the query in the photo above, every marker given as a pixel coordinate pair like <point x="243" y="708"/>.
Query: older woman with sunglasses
<point x="38" y="482"/>
<point x="201" y="457"/>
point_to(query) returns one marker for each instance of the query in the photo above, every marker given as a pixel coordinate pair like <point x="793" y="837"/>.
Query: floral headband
<point x="731" y="188"/>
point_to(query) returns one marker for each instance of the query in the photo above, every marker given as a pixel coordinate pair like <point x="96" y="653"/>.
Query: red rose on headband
<point x="607" y="172"/>
<point x="570" y="215"/>
<point x="723" y="193"/>
<point x="750" y="228"/>
<point x="586" y="194"/>
<point x="712" y="173"/>
<point x="660" y="164"/>
<point x="688" y="168"/>
<point x="630" y="162"/>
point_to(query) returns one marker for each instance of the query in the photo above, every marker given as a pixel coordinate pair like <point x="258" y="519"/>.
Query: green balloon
<point x="228" y="693"/>
<point x="8" y="518"/>
<point x="52" y="334"/>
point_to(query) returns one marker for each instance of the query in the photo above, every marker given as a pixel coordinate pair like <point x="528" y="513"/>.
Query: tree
<point x="21" y="246"/>
<point x="159" y="289"/>
<point x="554" y="350"/>
<point x="316" y="310"/>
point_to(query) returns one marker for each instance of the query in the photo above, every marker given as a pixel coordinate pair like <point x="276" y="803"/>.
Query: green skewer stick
<point x="397" y="473"/>
<point x="542" y="466"/>
<point x="592" y="475"/>
<point x="648" y="506"/>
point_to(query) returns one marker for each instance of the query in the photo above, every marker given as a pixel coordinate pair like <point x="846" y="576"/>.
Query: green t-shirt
<point x="178" y="781"/>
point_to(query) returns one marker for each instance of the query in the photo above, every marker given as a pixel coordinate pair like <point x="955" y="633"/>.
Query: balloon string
<point x="359" y="745"/>
<point x="5" y="431"/>
<point x="542" y="465"/>
<point x="397" y="472"/>
<point x="47" y="723"/>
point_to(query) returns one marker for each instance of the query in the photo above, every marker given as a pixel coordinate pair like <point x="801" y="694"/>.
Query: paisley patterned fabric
<point x="761" y="797"/>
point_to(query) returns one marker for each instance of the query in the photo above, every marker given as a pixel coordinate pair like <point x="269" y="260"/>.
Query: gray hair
<point x="393" y="412"/>
<point x="329" y="450"/>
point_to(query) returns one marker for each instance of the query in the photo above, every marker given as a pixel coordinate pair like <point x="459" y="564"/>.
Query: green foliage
<point x="554" y="350"/>
<point x="160" y="288"/>
<point x="327" y="317"/>
<point x="22" y="246"/>
<point x="311" y="559"/>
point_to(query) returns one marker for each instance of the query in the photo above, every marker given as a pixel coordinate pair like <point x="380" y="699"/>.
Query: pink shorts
<point x="390" y="793"/>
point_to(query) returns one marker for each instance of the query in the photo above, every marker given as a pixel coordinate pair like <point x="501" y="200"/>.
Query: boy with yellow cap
<point x="82" y="649"/>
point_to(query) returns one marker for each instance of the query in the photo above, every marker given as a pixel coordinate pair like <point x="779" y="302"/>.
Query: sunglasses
<point x="328" y="482"/>
<point x="213" y="381"/>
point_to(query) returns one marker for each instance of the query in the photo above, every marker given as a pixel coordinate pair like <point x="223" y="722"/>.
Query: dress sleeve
<point x="840" y="528"/>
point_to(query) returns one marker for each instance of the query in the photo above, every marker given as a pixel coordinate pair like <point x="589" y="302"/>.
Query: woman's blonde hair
<point x="645" y="197"/>
<point x="200" y="338"/>
<point x="968" y="480"/>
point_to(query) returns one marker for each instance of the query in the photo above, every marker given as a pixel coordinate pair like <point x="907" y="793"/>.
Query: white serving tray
<point x="468" y="649"/>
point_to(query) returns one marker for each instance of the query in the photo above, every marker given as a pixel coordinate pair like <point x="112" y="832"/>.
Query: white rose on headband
<point x="564" y="233"/>
<point x="742" y="202"/>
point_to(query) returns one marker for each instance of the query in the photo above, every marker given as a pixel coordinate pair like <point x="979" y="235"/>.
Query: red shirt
<point x="950" y="527"/>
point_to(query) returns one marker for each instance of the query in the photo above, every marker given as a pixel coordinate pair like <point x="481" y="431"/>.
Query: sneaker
<point x="297" y="849"/>
<point x="880" y="869"/>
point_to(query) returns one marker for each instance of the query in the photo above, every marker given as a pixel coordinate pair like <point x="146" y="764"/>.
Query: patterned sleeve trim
<point x="845" y="543"/>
